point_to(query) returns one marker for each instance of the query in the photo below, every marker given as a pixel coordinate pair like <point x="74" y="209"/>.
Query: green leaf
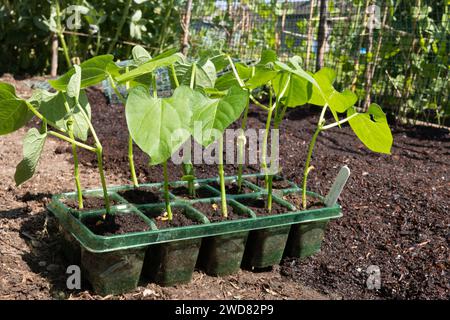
<point x="149" y="67"/>
<point x="93" y="71"/>
<point x="262" y="77"/>
<point x="7" y="90"/>
<point x="298" y="92"/>
<point x="74" y="86"/>
<point x="33" y="144"/>
<point x="267" y="56"/>
<point x="51" y="106"/>
<point x="215" y="115"/>
<point x="14" y="112"/>
<point x="338" y="102"/>
<point x="205" y="75"/>
<point x="228" y="80"/>
<point x="140" y="55"/>
<point x="159" y="126"/>
<point x="372" y="129"/>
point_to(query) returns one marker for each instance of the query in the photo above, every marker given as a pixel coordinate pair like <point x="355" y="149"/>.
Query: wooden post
<point x="321" y="34"/>
<point x="186" y="25"/>
<point x="55" y="47"/>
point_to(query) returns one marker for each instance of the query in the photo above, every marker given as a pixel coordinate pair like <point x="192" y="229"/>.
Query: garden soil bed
<point x="233" y="188"/>
<point x="395" y="214"/>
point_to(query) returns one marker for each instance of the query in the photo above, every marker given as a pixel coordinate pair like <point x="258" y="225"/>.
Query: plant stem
<point x="75" y="156"/>
<point x="120" y="26"/>
<point x="241" y="145"/>
<point x="130" y="139"/>
<point x="166" y="192"/>
<point x="131" y="162"/>
<point x="99" y="151"/>
<point x="307" y="164"/>
<point x="67" y="139"/>
<point x="223" y="196"/>
<point x="61" y="35"/>
<point x="102" y="178"/>
<point x="339" y="122"/>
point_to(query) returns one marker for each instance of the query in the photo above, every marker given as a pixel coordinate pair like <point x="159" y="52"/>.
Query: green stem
<point x="131" y="162"/>
<point x="163" y="30"/>
<point x="120" y="26"/>
<point x="130" y="139"/>
<point x="166" y="192"/>
<point x="174" y="74"/>
<point x="308" y="163"/>
<point x="102" y="178"/>
<point x="99" y="151"/>
<point x="241" y="146"/>
<point x="75" y="156"/>
<point x="193" y="74"/>
<point x="67" y="139"/>
<point x="61" y="35"/>
<point x="223" y="195"/>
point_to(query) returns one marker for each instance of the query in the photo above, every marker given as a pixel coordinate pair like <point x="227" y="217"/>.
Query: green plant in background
<point x="66" y="111"/>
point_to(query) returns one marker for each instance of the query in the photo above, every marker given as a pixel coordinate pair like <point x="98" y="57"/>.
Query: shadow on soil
<point x="45" y="257"/>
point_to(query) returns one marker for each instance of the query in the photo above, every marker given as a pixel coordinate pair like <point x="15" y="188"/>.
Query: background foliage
<point x="403" y="65"/>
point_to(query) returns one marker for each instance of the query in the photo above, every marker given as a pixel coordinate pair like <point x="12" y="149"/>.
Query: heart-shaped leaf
<point x="215" y="115"/>
<point x="159" y="126"/>
<point x="337" y="101"/>
<point x="14" y="112"/>
<point x="372" y="129"/>
<point x="205" y="75"/>
<point x="51" y="106"/>
<point x="33" y="144"/>
<point x="93" y="71"/>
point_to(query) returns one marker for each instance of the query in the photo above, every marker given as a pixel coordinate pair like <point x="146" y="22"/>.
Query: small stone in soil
<point x="141" y="195"/>
<point x="213" y="212"/>
<point x="116" y="224"/>
<point x="162" y="220"/>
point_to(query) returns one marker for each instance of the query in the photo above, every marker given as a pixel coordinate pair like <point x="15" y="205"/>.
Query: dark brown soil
<point x="183" y="192"/>
<point x="142" y="195"/>
<point x="233" y="188"/>
<point x="213" y="212"/>
<point x="296" y="200"/>
<point x="396" y="213"/>
<point x="259" y="207"/>
<point x="116" y="224"/>
<point x="178" y="218"/>
<point x="89" y="203"/>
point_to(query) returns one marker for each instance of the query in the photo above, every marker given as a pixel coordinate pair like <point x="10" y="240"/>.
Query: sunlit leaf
<point x="33" y="144"/>
<point x="372" y="129"/>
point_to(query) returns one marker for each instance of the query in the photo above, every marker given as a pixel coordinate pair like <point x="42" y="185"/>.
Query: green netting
<point x="395" y="52"/>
